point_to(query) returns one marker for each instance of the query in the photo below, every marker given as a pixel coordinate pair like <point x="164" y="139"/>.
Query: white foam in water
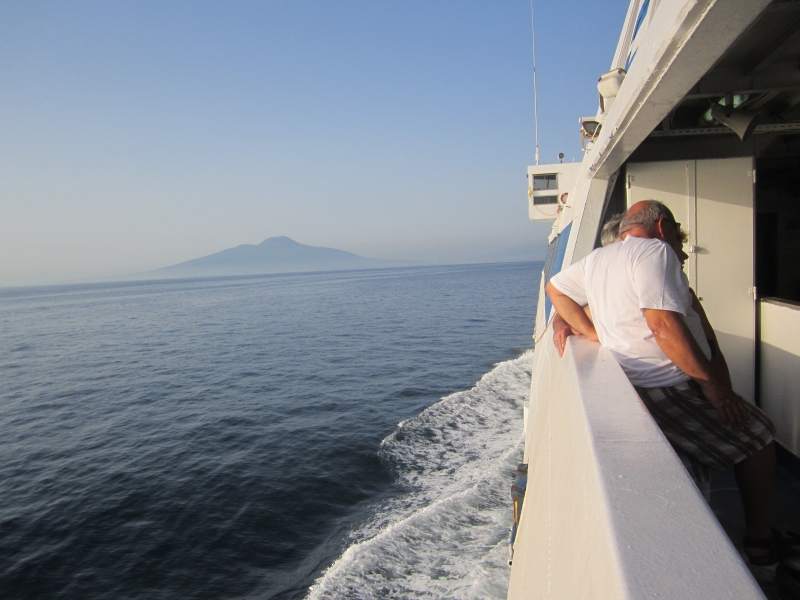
<point x="447" y="536"/>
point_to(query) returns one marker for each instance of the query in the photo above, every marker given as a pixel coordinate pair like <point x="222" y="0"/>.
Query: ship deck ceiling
<point x="762" y="68"/>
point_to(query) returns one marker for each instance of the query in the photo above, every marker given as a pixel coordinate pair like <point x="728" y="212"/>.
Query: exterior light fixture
<point x="590" y="129"/>
<point x="608" y="86"/>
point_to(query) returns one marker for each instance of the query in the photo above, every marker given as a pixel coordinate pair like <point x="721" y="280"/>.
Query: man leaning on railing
<point x="634" y="298"/>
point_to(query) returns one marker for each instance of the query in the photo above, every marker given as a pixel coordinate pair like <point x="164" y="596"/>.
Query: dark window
<point x="545" y="182"/>
<point x="554" y="262"/>
<point x="767" y="254"/>
<point x="545" y="199"/>
<point x="640" y="18"/>
<point x="617" y="202"/>
<point x="777" y="228"/>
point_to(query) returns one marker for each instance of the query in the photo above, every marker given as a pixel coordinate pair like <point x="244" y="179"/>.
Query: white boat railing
<point x="610" y="511"/>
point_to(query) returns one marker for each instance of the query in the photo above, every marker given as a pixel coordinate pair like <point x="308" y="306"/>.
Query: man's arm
<point x="562" y="330"/>
<point x="571" y="311"/>
<point x="717" y="359"/>
<point x="676" y="341"/>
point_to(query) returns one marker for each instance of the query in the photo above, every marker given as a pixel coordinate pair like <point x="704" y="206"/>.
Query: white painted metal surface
<point x="610" y="511"/>
<point x="725" y="274"/>
<point x="780" y="369"/>
<point x="713" y="201"/>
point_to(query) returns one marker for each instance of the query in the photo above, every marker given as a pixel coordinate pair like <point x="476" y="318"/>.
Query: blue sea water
<point x="330" y="435"/>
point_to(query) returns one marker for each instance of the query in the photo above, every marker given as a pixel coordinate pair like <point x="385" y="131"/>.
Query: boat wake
<point x="446" y="535"/>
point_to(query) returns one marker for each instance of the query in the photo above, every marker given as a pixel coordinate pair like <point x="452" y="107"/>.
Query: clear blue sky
<point x="137" y="135"/>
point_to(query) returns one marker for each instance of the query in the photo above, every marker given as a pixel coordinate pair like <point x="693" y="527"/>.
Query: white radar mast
<point x="535" y="105"/>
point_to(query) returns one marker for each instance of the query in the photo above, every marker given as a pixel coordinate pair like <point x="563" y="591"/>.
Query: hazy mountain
<point x="284" y="255"/>
<point x="273" y="255"/>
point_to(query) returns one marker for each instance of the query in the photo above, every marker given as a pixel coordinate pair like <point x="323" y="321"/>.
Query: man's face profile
<point x="674" y="236"/>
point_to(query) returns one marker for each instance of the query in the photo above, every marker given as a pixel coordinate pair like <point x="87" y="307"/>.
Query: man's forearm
<point x="572" y="312"/>
<point x="681" y="348"/>
<point x="717" y="359"/>
<point x="674" y="338"/>
<point x="720" y="367"/>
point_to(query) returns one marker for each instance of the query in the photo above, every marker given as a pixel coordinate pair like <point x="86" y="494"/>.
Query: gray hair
<point x="610" y="232"/>
<point x="646" y="218"/>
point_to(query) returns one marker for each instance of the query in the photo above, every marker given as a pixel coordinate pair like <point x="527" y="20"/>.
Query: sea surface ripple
<point x="239" y="437"/>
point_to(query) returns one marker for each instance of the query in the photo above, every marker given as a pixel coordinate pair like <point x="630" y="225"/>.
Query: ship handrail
<point x="610" y="511"/>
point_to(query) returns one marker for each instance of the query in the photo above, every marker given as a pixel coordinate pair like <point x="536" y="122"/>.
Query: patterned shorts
<point x="694" y="428"/>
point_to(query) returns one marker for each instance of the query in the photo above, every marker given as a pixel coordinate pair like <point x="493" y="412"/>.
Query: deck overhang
<point x="684" y="42"/>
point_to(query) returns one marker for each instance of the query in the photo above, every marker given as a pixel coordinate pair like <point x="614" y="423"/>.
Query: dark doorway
<point x="777" y="225"/>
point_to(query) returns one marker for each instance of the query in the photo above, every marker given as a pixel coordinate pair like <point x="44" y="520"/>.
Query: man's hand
<point x="674" y="338"/>
<point x="561" y="331"/>
<point x="730" y="405"/>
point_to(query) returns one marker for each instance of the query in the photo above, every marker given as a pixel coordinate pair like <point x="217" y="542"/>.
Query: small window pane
<point x="555" y="260"/>
<point x="545" y="182"/>
<point x="545" y="199"/>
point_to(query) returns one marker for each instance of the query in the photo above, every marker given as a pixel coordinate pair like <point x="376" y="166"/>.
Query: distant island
<point x="284" y="255"/>
<point x="273" y="255"/>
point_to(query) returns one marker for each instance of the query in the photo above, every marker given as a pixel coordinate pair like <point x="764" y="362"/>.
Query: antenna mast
<point x="535" y="105"/>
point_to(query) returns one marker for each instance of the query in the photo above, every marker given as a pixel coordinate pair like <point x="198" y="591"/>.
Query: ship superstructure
<point x="700" y="109"/>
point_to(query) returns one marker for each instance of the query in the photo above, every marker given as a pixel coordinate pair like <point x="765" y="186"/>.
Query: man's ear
<point x="660" y="228"/>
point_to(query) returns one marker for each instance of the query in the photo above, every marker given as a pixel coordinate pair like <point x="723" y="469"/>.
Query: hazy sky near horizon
<point x="138" y="135"/>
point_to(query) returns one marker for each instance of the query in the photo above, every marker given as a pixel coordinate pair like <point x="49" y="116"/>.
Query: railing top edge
<point x="666" y="536"/>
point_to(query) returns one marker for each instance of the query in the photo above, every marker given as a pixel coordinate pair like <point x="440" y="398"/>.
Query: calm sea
<point x="330" y="435"/>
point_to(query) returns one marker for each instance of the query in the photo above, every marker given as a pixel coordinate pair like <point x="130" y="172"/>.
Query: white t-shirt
<point x="617" y="282"/>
